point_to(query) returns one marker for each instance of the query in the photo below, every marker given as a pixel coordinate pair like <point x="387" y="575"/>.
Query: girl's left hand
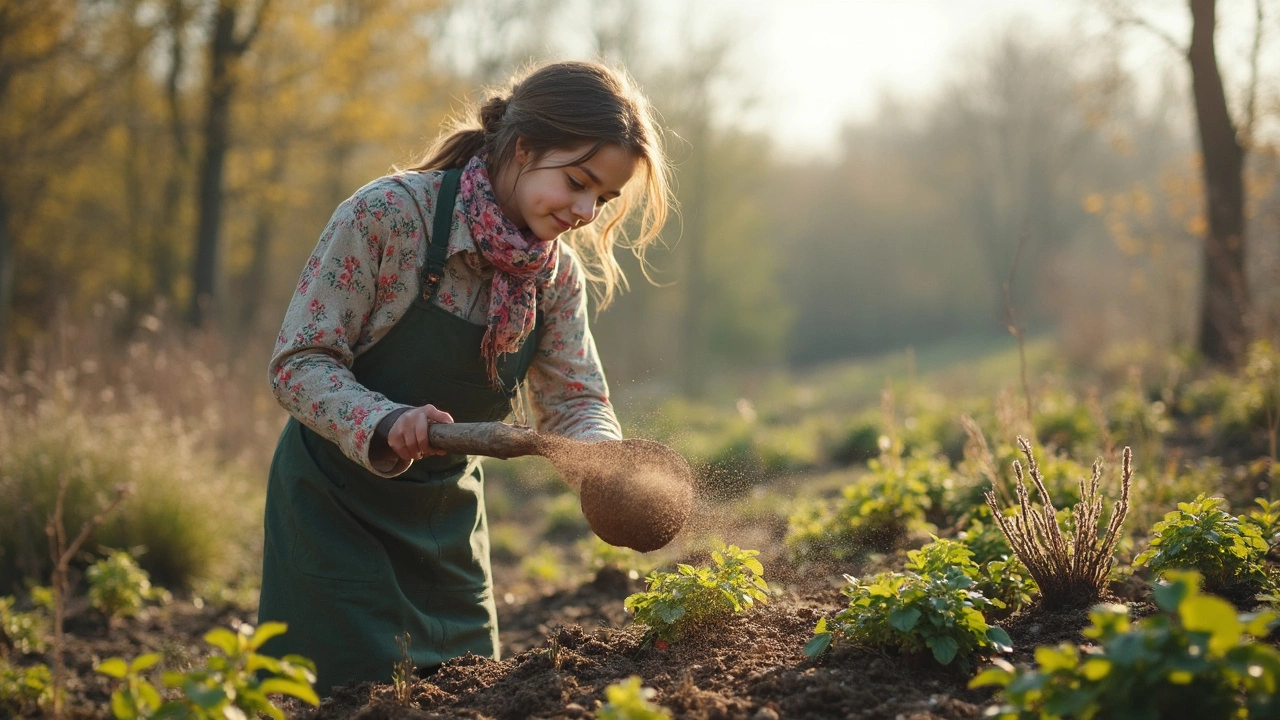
<point x="408" y="436"/>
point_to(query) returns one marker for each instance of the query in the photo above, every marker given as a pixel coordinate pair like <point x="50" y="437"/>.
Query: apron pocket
<point x="328" y="541"/>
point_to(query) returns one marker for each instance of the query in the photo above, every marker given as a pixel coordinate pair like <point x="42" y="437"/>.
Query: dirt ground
<point x="564" y="647"/>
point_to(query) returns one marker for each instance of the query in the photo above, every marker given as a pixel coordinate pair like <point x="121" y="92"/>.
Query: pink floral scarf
<point x="523" y="262"/>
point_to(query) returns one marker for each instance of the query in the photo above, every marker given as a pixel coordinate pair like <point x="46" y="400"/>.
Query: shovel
<point x="634" y="493"/>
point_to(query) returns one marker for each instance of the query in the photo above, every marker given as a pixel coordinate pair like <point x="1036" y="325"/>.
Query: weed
<point x="689" y="598"/>
<point x="118" y="587"/>
<point x="1003" y="581"/>
<point x="1195" y="659"/>
<point x="21" y="632"/>
<point x="1200" y="535"/>
<point x="24" y="689"/>
<point x="629" y="700"/>
<point x="1070" y="569"/>
<point x="874" y="513"/>
<point x="402" y="673"/>
<point x="232" y="683"/>
<point x="911" y="612"/>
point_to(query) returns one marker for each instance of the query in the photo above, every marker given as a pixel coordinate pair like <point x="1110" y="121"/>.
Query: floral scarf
<point x="523" y="262"/>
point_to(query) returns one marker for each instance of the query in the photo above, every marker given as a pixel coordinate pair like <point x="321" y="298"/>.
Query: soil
<point x="564" y="647"/>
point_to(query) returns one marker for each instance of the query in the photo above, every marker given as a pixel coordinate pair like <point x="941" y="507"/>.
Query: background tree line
<point x="185" y="154"/>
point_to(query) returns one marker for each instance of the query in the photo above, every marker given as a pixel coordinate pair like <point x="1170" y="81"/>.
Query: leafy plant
<point x="1200" y="535"/>
<point x="873" y="514"/>
<point x="1070" y="568"/>
<point x="234" y="683"/>
<point x="1004" y="581"/>
<point x="118" y="587"/>
<point x="1265" y="517"/>
<point x="1195" y="659"/>
<point x="628" y="700"/>
<point x="910" y="612"/>
<point x="677" y="602"/>
<point x="24" y="688"/>
<point x="23" y="632"/>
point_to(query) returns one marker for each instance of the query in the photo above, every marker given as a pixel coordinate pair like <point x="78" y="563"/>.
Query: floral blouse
<point x="363" y="277"/>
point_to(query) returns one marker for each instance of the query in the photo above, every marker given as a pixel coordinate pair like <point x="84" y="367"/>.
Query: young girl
<point x="432" y="294"/>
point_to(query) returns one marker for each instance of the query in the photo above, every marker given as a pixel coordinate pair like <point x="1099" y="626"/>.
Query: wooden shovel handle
<point x="494" y="439"/>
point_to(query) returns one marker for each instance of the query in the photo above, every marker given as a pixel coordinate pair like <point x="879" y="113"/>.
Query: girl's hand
<point x="408" y="437"/>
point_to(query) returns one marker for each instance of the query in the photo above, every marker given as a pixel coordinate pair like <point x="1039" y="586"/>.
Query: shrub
<point x="1195" y="659"/>
<point x="187" y="510"/>
<point x="118" y="587"/>
<point x="22" y="689"/>
<point x="1064" y="422"/>
<point x="23" y="632"/>
<point x="854" y="444"/>
<point x="691" y="598"/>
<point x="1200" y="535"/>
<point x="233" y="683"/>
<point x="910" y="612"/>
<point x="1070" y="568"/>
<point x="874" y="513"/>
<point x="628" y="700"/>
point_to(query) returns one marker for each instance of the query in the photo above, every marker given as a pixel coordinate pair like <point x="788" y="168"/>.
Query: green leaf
<point x="1215" y="616"/>
<point x="1095" y="668"/>
<point x="1052" y="659"/>
<point x="821" y="627"/>
<point x="817" y="645"/>
<point x="291" y="688"/>
<point x="904" y="619"/>
<point x="114" y="667"/>
<point x="944" y="648"/>
<point x="991" y="676"/>
<point x="223" y="639"/>
<point x="143" y="662"/>
<point x="1000" y="639"/>
<point x="121" y="706"/>
<point x="754" y="565"/>
<point x="265" y="632"/>
<point x="207" y="698"/>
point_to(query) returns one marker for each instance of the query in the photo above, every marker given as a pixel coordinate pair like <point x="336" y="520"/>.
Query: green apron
<point x="352" y="560"/>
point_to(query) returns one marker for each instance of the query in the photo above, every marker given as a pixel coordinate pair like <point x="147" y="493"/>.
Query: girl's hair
<point x="564" y="105"/>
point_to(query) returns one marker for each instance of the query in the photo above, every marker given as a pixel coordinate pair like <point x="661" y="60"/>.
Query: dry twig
<point x="1071" y="570"/>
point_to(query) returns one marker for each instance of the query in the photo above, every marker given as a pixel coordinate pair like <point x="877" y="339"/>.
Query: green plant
<point x="628" y="700"/>
<point x="1195" y="659"/>
<point x="874" y="513"/>
<point x="910" y="612"/>
<point x="23" y="632"/>
<point x="24" y="688"/>
<point x="1265" y="517"/>
<point x="1070" y="568"/>
<point x="690" y="598"/>
<point x="118" y="587"/>
<point x="1200" y="535"/>
<point x="1004" y="581"/>
<point x="233" y="683"/>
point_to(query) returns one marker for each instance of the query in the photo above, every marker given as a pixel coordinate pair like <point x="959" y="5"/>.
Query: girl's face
<point x="548" y="196"/>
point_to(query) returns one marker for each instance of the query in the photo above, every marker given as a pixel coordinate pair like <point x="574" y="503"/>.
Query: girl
<point x="432" y="294"/>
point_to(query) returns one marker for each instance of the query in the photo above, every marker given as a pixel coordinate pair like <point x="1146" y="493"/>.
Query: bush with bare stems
<point x="1070" y="568"/>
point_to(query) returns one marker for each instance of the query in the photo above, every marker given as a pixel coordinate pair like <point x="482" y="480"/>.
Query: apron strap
<point x="438" y="251"/>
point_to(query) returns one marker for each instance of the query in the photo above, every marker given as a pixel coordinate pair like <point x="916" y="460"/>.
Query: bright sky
<point x="817" y="63"/>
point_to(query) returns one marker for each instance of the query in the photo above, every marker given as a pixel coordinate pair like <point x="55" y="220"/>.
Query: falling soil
<point x="634" y="493"/>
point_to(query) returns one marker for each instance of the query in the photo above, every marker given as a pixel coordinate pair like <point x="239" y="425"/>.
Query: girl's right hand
<point x="408" y="436"/>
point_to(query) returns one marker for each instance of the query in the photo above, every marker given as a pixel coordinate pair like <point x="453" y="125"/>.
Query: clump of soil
<point x="634" y="493"/>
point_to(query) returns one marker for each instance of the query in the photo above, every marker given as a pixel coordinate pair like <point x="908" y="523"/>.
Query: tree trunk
<point x="264" y="230"/>
<point x="1224" y="291"/>
<point x="222" y="50"/>
<point x="163" y="251"/>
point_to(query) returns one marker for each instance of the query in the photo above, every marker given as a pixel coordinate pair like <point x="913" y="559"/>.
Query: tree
<point x="1224" y="291"/>
<point x="227" y="44"/>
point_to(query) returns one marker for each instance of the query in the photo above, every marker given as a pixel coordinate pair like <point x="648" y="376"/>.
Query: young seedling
<point x="628" y="700"/>
<point x="678" y="602"/>
<point x="1070" y="569"/>
<point x="1228" y="551"/>
<point x="118" y="587"/>
<point x="402" y="672"/>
